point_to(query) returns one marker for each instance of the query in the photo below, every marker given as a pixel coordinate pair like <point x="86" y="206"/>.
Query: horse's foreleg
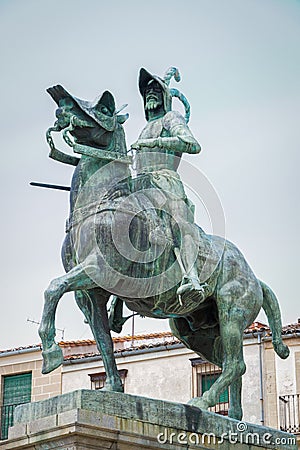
<point x="93" y="304"/>
<point x="52" y="353"/>
<point x="77" y="278"/>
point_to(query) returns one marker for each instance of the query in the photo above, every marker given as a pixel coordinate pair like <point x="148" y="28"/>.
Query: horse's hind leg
<point x="93" y="304"/>
<point x="235" y="408"/>
<point x="205" y="342"/>
<point x="231" y="332"/>
<point x="76" y="278"/>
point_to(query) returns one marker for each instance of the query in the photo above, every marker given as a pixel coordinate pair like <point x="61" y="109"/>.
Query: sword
<point x="50" y="186"/>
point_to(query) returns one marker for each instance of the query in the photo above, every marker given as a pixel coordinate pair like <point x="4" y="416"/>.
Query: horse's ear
<point x="58" y="92"/>
<point x="107" y="100"/>
<point x="121" y="118"/>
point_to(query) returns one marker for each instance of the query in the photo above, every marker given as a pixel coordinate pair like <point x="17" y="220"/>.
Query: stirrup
<point x="188" y="291"/>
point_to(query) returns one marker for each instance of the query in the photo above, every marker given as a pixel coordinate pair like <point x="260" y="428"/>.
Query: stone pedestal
<point x="86" y="419"/>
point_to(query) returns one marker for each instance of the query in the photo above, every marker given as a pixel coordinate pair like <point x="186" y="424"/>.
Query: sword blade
<point x="50" y="186"/>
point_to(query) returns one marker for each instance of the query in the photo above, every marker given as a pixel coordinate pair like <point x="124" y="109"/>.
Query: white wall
<point x="286" y="371"/>
<point x="251" y="383"/>
<point x="165" y="375"/>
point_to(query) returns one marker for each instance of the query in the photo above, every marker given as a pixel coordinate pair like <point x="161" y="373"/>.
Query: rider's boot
<point x="191" y="288"/>
<point x="116" y="319"/>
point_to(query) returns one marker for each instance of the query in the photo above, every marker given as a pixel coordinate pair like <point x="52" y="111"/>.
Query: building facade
<point x="158" y="366"/>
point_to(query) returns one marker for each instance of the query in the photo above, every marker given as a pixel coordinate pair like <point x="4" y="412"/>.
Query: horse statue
<point x="117" y="244"/>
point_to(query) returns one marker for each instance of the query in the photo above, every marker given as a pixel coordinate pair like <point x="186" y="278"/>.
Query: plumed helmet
<point x="146" y="77"/>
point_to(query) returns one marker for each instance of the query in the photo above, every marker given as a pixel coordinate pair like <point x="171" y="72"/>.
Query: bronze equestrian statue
<point x="134" y="237"/>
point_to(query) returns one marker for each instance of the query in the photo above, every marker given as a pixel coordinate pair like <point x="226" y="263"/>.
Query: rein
<point x="79" y="215"/>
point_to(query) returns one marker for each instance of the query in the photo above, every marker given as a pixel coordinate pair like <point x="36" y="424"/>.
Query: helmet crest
<point x="171" y="72"/>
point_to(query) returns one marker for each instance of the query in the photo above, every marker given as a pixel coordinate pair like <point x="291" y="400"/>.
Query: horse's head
<point x="90" y="123"/>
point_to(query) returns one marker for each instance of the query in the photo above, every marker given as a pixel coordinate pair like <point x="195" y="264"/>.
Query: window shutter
<point x="208" y="380"/>
<point x="16" y="391"/>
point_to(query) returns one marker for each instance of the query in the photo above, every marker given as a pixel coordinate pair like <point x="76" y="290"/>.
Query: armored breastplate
<point x="150" y="160"/>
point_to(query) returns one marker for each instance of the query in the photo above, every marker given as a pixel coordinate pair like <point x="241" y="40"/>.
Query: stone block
<point x="55" y="379"/>
<point x="106" y="420"/>
<point x="20" y="429"/>
<point x="46" y="423"/>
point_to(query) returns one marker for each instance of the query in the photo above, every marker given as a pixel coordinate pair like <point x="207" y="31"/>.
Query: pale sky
<point x="240" y="67"/>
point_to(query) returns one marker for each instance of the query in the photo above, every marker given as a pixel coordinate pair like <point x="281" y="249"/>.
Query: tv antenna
<point x="62" y="330"/>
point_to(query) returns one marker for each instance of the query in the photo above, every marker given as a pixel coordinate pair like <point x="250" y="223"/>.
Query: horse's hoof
<point x="52" y="359"/>
<point x="282" y="350"/>
<point x="199" y="403"/>
<point x="116" y="387"/>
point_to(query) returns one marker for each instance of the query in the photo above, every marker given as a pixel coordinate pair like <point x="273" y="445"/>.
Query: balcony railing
<point x="6" y="419"/>
<point x="220" y="408"/>
<point x="289" y="413"/>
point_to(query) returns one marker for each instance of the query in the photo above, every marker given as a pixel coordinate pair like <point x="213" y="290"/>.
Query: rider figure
<point x="158" y="151"/>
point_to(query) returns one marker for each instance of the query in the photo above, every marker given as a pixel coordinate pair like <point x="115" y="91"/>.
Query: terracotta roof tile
<point x="26" y="347"/>
<point x="164" y="337"/>
<point x="255" y="327"/>
<point x="129" y="338"/>
<point x="291" y="328"/>
<point x="79" y="356"/>
<point x="77" y="343"/>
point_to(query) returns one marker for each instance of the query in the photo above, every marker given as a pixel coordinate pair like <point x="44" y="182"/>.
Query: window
<point x="204" y="376"/>
<point x="16" y="391"/>
<point x="98" y="379"/>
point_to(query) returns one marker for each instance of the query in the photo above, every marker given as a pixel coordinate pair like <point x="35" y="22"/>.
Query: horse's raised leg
<point x="76" y="278"/>
<point x="93" y="305"/>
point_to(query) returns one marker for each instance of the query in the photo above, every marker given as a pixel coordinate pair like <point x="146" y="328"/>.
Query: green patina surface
<point x="135" y="237"/>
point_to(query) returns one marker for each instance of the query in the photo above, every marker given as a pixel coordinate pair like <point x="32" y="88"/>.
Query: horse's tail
<point x="272" y="310"/>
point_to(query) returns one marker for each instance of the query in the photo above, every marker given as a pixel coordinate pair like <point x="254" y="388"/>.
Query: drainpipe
<point x="261" y="389"/>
